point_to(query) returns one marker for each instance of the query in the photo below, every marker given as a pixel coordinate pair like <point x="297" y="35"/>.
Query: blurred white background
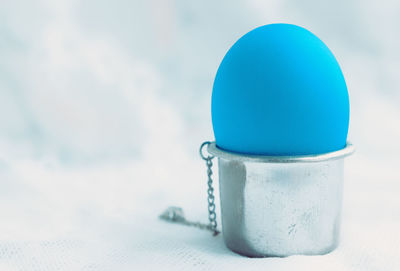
<point x="103" y="105"/>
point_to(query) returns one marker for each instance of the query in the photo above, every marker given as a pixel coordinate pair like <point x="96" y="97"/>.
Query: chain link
<point x="175" y="214"/>
<point x="212" y="216"/>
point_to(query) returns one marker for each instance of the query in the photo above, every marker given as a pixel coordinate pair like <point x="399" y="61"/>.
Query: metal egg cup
<point x="281" y="205"/>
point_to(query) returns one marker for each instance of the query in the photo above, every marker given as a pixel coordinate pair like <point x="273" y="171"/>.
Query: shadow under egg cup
<point x="281" y="205"/>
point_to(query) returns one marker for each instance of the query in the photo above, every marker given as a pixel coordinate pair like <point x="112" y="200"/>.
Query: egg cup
<point x="281" y="205"/>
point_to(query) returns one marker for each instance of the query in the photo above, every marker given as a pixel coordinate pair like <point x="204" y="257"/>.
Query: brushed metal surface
<point x="280" y="208"/>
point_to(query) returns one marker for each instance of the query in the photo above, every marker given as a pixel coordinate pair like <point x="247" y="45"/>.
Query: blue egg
<point x="280" y="91"/>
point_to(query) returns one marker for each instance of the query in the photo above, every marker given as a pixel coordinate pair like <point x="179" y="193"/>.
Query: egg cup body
<point x="275" y="206"/>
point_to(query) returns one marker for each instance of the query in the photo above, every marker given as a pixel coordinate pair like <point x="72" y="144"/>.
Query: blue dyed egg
<point x="280" y="91"/>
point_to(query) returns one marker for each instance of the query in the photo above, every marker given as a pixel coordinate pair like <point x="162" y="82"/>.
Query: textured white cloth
<point x="112" y="225"/>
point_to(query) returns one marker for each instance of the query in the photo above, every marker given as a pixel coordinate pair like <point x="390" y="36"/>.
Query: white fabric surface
<point x="104" y="104"/>
<point x="111" y="224"/>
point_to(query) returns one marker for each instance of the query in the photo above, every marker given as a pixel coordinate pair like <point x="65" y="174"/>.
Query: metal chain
<point x="212" y="216"/>
<point x="176" y="215"/>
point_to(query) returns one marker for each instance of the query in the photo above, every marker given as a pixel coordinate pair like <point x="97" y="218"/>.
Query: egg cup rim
<point x="214" y="150"/>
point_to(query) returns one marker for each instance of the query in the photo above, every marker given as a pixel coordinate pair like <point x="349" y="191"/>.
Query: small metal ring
<point x="209" y="157"/>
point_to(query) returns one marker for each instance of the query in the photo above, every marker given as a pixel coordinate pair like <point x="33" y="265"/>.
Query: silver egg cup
<point x="281" y="205"/>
